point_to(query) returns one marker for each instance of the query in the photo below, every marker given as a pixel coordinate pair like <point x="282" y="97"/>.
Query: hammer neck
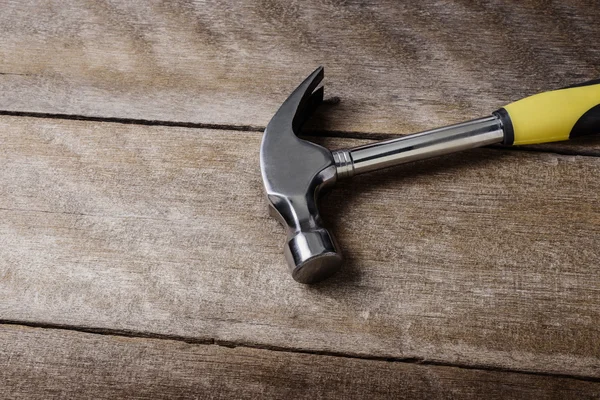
<point x="419" y="146"/>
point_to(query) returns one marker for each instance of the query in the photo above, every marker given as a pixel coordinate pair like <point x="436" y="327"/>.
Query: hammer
<point x="296" y="172"/>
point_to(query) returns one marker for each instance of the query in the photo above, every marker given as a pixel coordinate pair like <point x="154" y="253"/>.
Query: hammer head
<point x="294" y="173"/>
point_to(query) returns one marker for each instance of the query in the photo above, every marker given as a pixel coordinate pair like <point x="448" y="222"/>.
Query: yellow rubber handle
<point x="553" y="116"/>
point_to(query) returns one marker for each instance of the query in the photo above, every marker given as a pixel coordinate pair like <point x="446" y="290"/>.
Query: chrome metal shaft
<point x="436" y="142"/>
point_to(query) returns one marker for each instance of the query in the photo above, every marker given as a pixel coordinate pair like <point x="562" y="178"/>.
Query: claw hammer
<point x="296" y="172"/>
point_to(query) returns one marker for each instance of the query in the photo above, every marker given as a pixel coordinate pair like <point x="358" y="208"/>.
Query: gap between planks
<point x="213" y="342"/>
<point x="252" y="128"/>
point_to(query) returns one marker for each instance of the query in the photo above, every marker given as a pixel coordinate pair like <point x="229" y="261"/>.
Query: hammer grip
<point x="553" y="116"/>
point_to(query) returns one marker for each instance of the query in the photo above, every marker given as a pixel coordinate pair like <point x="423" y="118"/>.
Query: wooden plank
<point x="398" y="68"/>
<point x="486" y="258"/>
<point x="55" y="364"/>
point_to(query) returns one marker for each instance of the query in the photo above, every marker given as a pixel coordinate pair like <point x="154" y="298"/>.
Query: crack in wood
<point x="133" y="121"/>
<point x="261" y="346"/>
<point x="314" y="134"/>
<point x="14" y="73"/>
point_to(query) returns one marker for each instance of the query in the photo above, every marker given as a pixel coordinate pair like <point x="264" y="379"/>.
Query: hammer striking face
<point x="296" y="171"/>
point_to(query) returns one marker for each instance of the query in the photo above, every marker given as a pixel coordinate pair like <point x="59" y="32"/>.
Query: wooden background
<point x="137" y="258"/>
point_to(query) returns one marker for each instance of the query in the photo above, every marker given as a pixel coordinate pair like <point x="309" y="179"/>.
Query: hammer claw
<point x="294" y="109"/>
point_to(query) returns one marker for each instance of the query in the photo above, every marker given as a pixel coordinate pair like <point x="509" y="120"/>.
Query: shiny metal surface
<point x="294" y="172"/>
<point x="436" y="142"/>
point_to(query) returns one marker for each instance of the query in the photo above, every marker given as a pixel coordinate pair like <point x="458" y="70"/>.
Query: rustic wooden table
<point x="137" y="258"/>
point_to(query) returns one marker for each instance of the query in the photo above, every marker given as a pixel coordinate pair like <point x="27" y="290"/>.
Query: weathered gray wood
<point x="54" y="364"/>
<point x="399" y="67"/>
<point x="483" y="258"/>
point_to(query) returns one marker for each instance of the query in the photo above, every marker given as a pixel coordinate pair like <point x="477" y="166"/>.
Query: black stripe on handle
<point x="507" y="126"/>
<point x="588" y="124"/>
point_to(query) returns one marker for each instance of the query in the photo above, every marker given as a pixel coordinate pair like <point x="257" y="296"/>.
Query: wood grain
<point x="485" y="258"/>
<point x="397" y="67"/>
<point x="55" y="364"/>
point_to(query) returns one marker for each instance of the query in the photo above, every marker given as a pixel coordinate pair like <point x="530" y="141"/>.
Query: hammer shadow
<point x="338" y="204"/>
